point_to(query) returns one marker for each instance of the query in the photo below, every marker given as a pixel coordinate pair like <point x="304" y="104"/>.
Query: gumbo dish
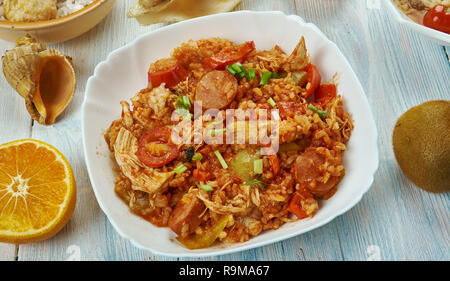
<point x="219" y="191"/>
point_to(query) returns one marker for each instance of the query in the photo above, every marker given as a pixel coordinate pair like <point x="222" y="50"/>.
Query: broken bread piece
<point x="155" y="11"/>
<point x="29" y="10"/>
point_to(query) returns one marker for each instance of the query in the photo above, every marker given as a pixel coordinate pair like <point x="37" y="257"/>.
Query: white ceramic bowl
<point x="437" y="36"/>
<point x="125" y="72"/>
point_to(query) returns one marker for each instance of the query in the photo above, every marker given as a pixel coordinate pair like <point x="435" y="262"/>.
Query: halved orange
<point x="37" y="191"/>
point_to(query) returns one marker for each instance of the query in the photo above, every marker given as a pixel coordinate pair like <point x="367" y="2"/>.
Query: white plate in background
<point x="435" y="35"/>
<point x="124" y="73"/>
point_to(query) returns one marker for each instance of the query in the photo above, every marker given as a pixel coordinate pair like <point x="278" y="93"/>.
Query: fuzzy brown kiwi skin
<point x="421" y="142"/>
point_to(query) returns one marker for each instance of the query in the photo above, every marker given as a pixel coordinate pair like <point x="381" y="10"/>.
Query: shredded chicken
<point x="298" y="59"/>
<point x="142" y="177"/>
<point x="255" y="197"/>
<point x="127" y="117"/>
<point x="238" y="205"/>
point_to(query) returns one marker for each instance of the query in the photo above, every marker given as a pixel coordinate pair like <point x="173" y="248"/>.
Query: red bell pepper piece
<point x="171" y="76"/>
<point x="222" y="60"/>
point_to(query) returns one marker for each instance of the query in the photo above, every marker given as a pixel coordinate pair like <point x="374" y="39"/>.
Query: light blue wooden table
<point x="394" y="221"/>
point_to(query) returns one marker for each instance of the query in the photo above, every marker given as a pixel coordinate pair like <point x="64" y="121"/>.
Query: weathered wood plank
<point x="7" y="252"/>
<point x="286" y="6"/>
<point x="15" y="123"/>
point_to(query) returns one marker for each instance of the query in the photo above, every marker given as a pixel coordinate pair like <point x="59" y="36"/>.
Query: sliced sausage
<point x="185" y="217"/>
<point x="216" y="89"/>
<point x="307" y="170"/>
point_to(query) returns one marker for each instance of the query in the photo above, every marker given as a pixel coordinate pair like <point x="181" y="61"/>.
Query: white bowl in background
<point x="124" y="73"/>
<point x="435" y="35"/>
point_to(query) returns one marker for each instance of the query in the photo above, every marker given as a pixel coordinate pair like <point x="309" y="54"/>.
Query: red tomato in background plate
<point x="438" y="18"/>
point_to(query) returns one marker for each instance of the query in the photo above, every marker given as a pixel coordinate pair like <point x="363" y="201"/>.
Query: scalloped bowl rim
<point x="372" y="164"/>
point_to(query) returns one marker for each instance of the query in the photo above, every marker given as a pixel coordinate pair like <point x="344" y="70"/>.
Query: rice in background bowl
<point x="64" y="7"/>
<point x="67" y="7"/>
<point x="413" y="20"/>
<point x="427" y="3"/>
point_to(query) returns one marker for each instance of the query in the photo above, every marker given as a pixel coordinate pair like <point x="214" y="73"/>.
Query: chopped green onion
<point x="180" y="101"/>
<point x="206" y="187"/>
<point x="221" y="160"/>
<point x="251" y="74"/>
<point x="184" y="102"/>
<point x="275" y="75"/>
<point x="183" y="111"/>
<point x="258" y="166"/>
<point x="243" y="72"/>
<point x="271" y="102"/>
<point x="321" y="113"/>
<point x="197" y="156"/>
<point x="231" y="70"/>
<point x="265" y="78"/>
<point x="237" y="67"/>
<point x="180" y="169"/>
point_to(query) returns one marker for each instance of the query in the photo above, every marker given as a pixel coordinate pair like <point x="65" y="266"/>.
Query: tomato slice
<point x="438" y="18"/>
<point x="155" y="149"/>
<point x="222" y="60"/>
<point x="171" y="76"/>
<point x="314" y="79"/>
<point x="325" y="93"/>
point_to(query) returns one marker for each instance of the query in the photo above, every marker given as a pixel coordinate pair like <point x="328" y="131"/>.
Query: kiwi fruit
<point x="421" y="142"/>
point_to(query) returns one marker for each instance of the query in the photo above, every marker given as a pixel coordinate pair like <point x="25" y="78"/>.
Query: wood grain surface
<point x="394" y="221"/>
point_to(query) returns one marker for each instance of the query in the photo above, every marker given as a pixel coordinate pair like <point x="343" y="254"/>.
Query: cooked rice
<point x="407" y="5"/>
<point x="65" y="7"/>
<point x="253" y="209"/>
